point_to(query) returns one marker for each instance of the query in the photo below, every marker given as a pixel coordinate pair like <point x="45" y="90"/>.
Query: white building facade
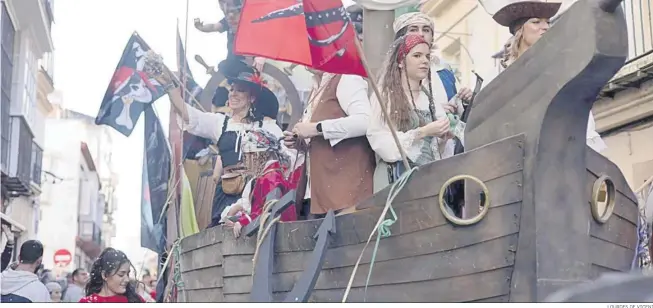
<point x="78" y="193"/>
<point x="25" y="41"/>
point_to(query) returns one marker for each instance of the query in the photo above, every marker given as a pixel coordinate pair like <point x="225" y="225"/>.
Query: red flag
<point x="313" y="33"/>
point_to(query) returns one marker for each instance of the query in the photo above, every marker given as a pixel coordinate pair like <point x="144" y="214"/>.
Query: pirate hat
<point x="512" y="13"/>
<point x="265" y="103"/>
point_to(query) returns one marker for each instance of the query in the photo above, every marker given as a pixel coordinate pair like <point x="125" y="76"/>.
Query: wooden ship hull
<point x="538" y="235"/>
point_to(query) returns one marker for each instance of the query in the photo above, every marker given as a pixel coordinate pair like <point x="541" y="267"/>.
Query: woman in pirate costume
<point x="441" y="78"/>
<point x="423" y="126"/>
<point x="243" y="155"/>
<point x="527" y="21"/>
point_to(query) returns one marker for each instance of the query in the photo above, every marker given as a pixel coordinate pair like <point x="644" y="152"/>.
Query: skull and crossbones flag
<point x="130" y="90"/>
<point x="313" y="33"/>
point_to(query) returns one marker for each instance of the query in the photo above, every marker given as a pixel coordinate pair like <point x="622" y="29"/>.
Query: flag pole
<point x="372" y="82"/>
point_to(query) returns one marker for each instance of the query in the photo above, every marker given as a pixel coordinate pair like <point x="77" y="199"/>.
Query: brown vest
<point x="341" y="176"/>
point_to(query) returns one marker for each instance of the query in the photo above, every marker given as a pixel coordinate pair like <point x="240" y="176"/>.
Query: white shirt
<point x="383" y="144"/>
<point x="353" y="99"/>
<point x="209" y="125"/>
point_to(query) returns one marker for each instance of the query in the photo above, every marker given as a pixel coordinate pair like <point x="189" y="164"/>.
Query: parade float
<point x="555" y="212"/>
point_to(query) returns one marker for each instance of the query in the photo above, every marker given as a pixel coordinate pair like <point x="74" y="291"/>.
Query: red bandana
<point x="410" y="41"/>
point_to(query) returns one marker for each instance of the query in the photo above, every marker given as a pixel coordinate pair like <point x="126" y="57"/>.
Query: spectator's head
<point x="110" y="274"/>
<point x="55" y="291"/>
<point x="80" y="277"/>
<point x="30" y="256"/>
<point x="46" y="276"/>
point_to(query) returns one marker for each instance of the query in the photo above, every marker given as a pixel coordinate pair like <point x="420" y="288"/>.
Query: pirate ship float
<point x="544" y="227"/>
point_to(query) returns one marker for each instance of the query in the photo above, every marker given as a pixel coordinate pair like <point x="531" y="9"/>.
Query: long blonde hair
<point x="392" y="93"/>
<point x="511" y="49"/>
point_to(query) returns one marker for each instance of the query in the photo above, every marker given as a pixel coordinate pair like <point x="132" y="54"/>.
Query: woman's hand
<point x="305" y="130"/>
<point x="237" y="228"/>
<point x="289" y="140"/>
<point x="437" y="128"/>
<point x="465" y="94"/>
<point x="450" y="108"/>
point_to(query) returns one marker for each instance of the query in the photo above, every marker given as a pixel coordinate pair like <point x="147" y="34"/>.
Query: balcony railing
<point x="37" y="160"/>
<point x="20" y="156"/>
<point x="639" y="16"/>
<point x="5" y="135"/>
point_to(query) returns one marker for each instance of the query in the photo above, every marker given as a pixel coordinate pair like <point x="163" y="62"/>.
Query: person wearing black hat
<point x="242" y="155"/>
<point x="528" y="21"/>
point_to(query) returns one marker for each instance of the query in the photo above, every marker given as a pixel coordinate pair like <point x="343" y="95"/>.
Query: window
<point x="29" y="94"/>
<point x="7" y="58"/>
<point x="47" y="65"/>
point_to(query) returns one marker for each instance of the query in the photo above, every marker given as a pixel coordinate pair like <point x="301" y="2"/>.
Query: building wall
<point x="632" y="151"/>
<point x="31" y="41"/>
<point x="75" y="194"/>
<point x="59" y="199"/>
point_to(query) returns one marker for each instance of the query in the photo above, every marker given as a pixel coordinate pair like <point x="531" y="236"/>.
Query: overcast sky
<point x="89" y="37"/>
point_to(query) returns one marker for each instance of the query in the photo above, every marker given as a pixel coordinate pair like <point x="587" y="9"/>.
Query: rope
<point x="382" y="228"/>
<point x="262" y="233"/>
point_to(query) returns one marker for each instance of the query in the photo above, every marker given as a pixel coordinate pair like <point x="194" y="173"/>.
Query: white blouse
<point x="382" y="142"/>
<point x="209" y="125"/>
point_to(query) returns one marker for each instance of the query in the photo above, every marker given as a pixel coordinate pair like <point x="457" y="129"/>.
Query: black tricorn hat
<point x="515" y="12"/>
<point x="237" y="71"/>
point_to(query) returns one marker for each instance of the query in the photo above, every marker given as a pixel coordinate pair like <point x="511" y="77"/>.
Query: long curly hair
<point x="393" y="93"/>
<point x="108" y="263"/>
<point x="511" y="48"/>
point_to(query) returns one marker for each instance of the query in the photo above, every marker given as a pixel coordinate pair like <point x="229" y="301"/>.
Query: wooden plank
<point x="499" y="222"/>
<point x="466" y="261"/>
<point x="207" y="256"/>
<point x="610" y="256"/>
<point x="626" y="209"/>
<point x="204" y="296"/>
<point x="617" y="231"/>
<point x="597" y="271"/>
<point x="203" y="238"/>
<point x="429" y="178"/>
<point x="489" y="284"/>
<point x="486" y="284"/>
<point x="204" y="201"/>
<point x="355" y="228"/>
<point x="497" y="299"/>
<point x="206" y="278"/>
